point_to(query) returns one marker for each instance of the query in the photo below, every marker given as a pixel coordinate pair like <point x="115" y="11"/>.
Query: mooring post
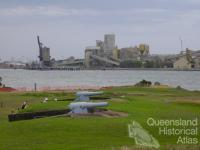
<point x="35" y="87"/>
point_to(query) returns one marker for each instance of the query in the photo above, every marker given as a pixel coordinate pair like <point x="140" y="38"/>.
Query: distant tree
<point x="168" y="63"/>
<point x="149" y="64"/>
<point x="131" y="64"/>
<point x="158" y="63"/>
<point x="1" y="82"/>
<point x="154" y="63"/>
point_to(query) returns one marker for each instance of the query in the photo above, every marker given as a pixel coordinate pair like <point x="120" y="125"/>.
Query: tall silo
<point x="109" y="44"/>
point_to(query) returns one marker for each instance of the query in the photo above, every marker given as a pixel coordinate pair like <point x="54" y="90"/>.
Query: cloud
<point x="68" y="29"/>
<point x="51" y="11"/>
<point x="54" y="11"/>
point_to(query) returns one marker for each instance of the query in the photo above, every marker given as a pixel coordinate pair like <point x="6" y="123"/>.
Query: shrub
<point x="143" y="83"/>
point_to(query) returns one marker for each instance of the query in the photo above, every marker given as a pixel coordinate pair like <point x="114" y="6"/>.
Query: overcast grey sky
<point x="68" y="26"/>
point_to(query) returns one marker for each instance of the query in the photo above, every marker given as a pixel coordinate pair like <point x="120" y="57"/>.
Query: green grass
<point x="93" y="133"/>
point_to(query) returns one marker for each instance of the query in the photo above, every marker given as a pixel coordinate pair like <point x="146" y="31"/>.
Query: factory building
<point x="89" y="52"/>
<point x="107" y="54"/>
<point x="129" y="53"/>
<point x="100" y="44"/>
<point x="68" y="63"/>
<point x="182" y="63"/>
<point x="196" y="62"/>
<point x="104" y="54"/>
<point x="44" y="55"/>
<point x="187" y="59"/>
<point x="196" y="59"/>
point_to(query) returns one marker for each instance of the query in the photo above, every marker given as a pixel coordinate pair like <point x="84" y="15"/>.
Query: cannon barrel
<point x="87" y="93"/>
<point x="84" y="95"/>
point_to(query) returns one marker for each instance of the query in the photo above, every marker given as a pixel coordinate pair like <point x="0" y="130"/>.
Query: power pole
<point x="181" y="42"/>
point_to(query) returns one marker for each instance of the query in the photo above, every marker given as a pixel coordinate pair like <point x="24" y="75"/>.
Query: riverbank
<point x="150" y="69"/>
<point x="80" y="68"/>
<point x="7" y="89"/>
<point x="68" y="88"/>
<point x="140" y="103"/>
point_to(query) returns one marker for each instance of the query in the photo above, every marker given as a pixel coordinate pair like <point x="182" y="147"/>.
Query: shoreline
<point x="75" y="88"/>
<point x="104" y="69"/>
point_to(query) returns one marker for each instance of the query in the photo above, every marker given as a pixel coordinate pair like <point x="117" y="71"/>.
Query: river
<point x="26" y="78"/>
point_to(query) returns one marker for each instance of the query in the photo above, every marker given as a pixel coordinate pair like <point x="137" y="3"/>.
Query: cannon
<point x="82" y="107"/>
<point x="85" y="95"/>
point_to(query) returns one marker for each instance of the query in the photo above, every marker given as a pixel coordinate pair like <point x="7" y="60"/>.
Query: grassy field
<point x="95" y="133"/>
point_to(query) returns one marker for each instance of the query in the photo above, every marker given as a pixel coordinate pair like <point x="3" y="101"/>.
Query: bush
<point x="1" y="82"/>
<point x="143" y="83"/>
<point x="157" y="83"/>
<point x="131" y="64"/>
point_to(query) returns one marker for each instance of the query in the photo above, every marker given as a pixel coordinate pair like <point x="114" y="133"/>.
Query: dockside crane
<point x="40" y="48"/>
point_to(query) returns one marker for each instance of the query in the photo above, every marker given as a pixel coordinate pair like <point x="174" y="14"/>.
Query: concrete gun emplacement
<point x="82" y="107"/>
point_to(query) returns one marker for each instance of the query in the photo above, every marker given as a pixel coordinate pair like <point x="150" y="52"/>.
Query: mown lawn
<point x="94" y="133"/>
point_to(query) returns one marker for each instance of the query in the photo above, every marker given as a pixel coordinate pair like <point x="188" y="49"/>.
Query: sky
<point x="68" y="26"/>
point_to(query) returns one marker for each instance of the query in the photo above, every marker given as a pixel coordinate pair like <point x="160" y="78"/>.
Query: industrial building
<point x="187" y="59"/>
<point x="44" y="54"/>
<point x="106" y="53"/>
<point x="45" y="61"/>
<point x="102" y="55"/>
<point x="129" y="53"/>
<point x="182" y="63"/>
<point x="68" y="63"/>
